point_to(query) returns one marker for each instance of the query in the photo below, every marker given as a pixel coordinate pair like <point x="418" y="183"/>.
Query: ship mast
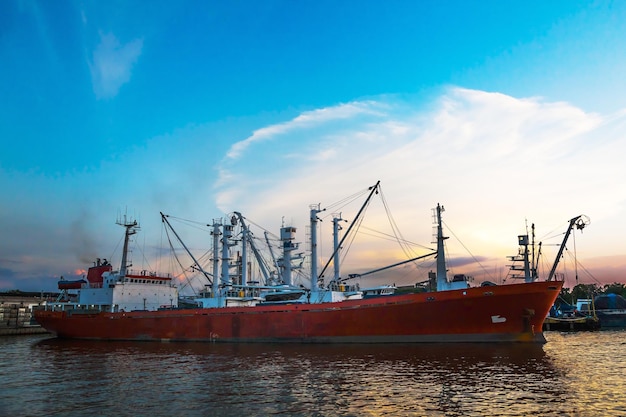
<point x="336" y="229"/>
<point x="443" y="284"/>
<point x="535" y="259"/>
<point x="215" y="285"/>
<point x="227" y="234"/>
<point x="442" y="272"/>
<point x="287" y="238"/>
<point x="247" y="238"/>
<point x="315" y="209"/>
<point x="131" y="228"/>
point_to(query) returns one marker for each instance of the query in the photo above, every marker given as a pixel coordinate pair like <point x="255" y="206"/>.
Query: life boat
<point x="76" y="284"/>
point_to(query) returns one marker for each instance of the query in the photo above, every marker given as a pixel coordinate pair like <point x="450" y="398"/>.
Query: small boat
<point x="379" y="291"/>
<point x="120" y="305"/>
<point x="283" y="295"/>
<point x="566" y="317"/>
<point x="75" y="284"/>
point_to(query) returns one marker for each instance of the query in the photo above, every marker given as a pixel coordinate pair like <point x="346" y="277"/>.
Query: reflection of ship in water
<point x="452" y="354"/>
<point x="410" y="379"/>
<point x="434" y="359"/>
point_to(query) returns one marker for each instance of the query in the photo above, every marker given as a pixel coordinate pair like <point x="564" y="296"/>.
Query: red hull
<point x="507" y="313"/>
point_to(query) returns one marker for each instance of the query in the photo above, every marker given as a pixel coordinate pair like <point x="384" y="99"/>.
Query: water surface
<point x="577" y="374"/>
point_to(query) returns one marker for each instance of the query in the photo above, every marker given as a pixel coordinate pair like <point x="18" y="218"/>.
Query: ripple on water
<point x="577" y="374"/>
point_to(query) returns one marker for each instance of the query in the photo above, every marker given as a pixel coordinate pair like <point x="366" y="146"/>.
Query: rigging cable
<point x="408" y="251"/>
<point x="468" y="251"/>
<point x="358" y="225"/>
<point x="179" y="263"/>
<point x="338" y="205"/>
<point x="195" y="225"/>
<point x="575" y="258"/>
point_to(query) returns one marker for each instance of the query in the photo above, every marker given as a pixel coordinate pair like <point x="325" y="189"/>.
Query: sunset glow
<point x="507" y="116"/>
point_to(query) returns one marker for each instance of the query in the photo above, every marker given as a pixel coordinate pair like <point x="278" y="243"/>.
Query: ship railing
<point x="62" y="306"/>
<point x="74" y="306"/>
<point x="237" y="293"/>
<point x="147" y="274"/>
<point x="243" y="291"/>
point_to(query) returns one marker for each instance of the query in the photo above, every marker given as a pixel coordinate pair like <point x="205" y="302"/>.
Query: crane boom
<point x="389" y="266"/>
<point x="573" y="222"/>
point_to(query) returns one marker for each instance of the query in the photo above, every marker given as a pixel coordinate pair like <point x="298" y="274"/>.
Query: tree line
<point x="591" y="290"/>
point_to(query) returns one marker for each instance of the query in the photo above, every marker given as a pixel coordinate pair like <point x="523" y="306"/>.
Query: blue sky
<point x="505" y="112"/>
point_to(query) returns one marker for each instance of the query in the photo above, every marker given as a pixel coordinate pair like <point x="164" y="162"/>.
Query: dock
<point x="571" y="324"/>
<point x="16" y="316"/>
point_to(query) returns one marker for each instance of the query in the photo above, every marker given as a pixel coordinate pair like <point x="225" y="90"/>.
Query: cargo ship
<point x="121" y="305"/>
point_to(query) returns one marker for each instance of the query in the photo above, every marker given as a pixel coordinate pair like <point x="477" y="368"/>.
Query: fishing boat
<point x="572" y="318"/>
<point x="120" y="305"/>
<point x="572" y="321"/>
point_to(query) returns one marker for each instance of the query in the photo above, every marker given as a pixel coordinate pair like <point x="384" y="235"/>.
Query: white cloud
<point x="112" y="64"/>
<point x="493" y="160"/>
<point x="308" y="119"/>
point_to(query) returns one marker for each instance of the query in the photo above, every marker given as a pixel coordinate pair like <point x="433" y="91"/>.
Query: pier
<point x="16" y="315"/>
